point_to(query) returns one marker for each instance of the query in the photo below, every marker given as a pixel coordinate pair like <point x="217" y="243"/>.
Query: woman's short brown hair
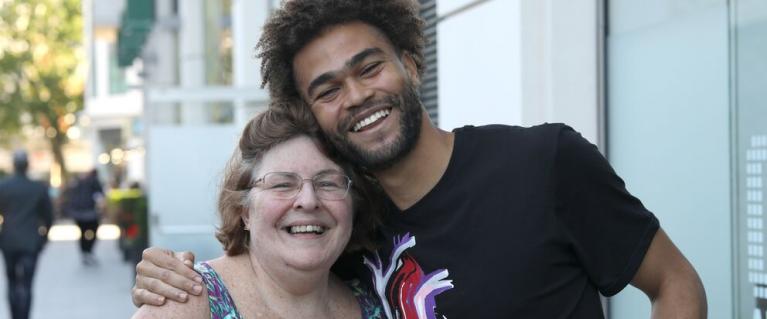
<point x="262" y="133"/>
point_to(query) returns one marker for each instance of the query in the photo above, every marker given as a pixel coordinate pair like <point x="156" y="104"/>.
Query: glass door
<point x="749" y="75"/>
<point x="668" y="132"/>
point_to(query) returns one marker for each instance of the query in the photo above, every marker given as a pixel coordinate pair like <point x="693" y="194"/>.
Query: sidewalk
<point x="64" y="288"/>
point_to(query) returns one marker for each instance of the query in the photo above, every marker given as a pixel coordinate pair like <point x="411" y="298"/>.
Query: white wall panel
<point x="479" y="64"/>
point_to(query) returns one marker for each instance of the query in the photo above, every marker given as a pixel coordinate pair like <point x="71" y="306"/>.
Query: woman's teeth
<point x="306" y="229"/>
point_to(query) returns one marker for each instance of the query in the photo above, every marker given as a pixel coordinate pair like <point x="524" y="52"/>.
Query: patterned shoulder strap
<point x="370" y="305"/>
<point x="221" y="303"/>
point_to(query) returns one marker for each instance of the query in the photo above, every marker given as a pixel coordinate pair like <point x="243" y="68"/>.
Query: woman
<point x="287" y="214"/>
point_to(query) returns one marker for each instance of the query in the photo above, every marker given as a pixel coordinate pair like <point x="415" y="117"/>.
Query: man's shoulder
<point x="11" y="182"/>
<point x="31" y="185"/>
<point x="540" y="130"/>
<point x="518" y="137"/>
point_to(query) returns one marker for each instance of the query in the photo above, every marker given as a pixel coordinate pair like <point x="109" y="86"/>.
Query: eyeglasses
<point x="327" y="185"/>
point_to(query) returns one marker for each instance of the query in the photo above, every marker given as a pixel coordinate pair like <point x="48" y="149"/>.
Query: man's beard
<point x="409" y="105"/>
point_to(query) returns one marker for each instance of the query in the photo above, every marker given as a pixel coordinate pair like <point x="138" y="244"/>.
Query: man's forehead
<point x="337" y="44"/>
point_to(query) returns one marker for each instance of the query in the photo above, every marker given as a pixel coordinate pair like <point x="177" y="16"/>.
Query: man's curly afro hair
<point x="298" y="22"/>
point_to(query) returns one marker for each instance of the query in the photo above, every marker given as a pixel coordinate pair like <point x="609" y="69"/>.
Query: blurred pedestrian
<point x="26" y="217"/>
<point x="83" y="204"/>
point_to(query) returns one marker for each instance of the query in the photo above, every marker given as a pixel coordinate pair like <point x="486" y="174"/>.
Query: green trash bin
<point x="128" y="208"/>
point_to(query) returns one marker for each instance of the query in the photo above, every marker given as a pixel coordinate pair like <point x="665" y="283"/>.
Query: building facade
<point x="111" y="122"/>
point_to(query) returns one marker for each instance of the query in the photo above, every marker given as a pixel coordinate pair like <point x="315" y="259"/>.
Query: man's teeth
<point x="370" y="119"/>
<point x="306" y="229"/>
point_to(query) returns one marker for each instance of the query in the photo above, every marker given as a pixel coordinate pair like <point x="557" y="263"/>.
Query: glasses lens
<point x="332" y="186"/>
<point x="283" y="185"/>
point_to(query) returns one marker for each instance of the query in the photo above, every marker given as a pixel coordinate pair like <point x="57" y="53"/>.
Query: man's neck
<point x="415" y="175"/>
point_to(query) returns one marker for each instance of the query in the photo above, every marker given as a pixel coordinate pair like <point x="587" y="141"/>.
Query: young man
<point x="24" y="207"/>
<point x="484" y="222"/>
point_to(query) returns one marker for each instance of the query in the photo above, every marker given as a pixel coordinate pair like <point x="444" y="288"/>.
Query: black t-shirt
<point x="524" y="223"/>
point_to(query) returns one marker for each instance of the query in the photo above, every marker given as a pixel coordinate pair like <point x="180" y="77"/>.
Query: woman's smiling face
<point x="304" y="232"/>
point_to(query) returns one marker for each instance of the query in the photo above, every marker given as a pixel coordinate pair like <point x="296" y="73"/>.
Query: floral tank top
<point x="222" y="305"/>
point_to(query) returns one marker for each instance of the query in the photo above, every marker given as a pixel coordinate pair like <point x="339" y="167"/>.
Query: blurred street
<point x="64" y="288"/>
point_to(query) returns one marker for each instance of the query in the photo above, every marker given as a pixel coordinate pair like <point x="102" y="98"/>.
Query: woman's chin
<point x="311" y="261"/>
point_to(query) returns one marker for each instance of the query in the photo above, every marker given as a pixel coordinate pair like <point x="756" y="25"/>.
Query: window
<point x="429" y="87"/>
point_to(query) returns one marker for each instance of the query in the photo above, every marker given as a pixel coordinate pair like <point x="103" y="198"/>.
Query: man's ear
<point x="410" y="67"/>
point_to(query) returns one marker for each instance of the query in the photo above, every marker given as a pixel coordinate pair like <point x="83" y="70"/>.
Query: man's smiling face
<point x="362" y="93"/>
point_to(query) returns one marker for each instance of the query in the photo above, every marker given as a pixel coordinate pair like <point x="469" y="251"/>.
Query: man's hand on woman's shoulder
<point x="165" y="274"/>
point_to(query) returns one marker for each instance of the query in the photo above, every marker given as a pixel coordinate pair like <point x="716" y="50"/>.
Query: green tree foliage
<point x="41" y="68"/>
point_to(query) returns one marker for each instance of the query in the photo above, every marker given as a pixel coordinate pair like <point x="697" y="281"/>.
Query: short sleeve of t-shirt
<point x="610" y="230"/>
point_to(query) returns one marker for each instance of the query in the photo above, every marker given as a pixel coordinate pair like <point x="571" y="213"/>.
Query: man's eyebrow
<point x="356" y="59"/>
<point x="359" y="57"/>
<point x="320" y="80"/>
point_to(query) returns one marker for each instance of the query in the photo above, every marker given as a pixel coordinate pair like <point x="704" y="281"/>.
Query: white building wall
<point x="479" y="63"/>
<point x="186" y="152"/>
<point x="520" y="62"/>
<point x="103" y="109"/>
<point x="560" y="64"/>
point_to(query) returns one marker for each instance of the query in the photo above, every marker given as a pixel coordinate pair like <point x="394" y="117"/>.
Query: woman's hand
<point x="165" y="274"/>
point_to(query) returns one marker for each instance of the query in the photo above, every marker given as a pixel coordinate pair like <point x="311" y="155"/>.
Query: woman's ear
<point x="245" y="218"/>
